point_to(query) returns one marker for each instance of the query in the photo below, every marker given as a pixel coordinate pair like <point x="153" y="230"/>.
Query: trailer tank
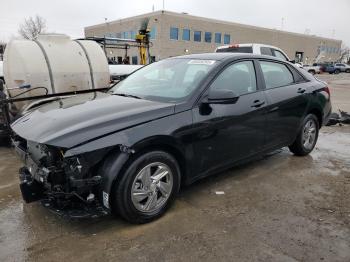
<point x="55" y="62"/>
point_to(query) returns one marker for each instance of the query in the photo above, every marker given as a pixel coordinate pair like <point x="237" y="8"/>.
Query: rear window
<point x="266" y="51"/>
<point x="242" y="49"/>
<point x="276" y="74"/>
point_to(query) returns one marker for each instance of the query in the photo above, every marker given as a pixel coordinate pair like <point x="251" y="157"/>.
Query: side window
<point x="276" y="74"/>
<point x="239" y="78"/>
<point x="266" y="51"/>
<point x="280" y="55"/>
<point x="298" y="78"/>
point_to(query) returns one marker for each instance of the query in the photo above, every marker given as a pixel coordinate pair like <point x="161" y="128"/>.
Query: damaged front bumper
<point x="62" y="193"/>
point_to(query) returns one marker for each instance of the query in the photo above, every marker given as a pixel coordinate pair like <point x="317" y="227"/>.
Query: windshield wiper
<point x="127" y="95"/>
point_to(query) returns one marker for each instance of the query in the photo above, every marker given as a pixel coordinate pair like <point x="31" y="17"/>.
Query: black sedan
<point x="129" y="150"/>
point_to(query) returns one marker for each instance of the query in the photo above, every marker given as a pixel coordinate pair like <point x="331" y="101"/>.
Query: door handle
<point x="258" y="103"/>
<point x="301" y="90"/>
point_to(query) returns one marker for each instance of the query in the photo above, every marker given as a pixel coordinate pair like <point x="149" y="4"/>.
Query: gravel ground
<point x="278" y="208"/>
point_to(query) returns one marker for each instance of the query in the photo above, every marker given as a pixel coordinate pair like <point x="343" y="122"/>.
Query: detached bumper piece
<point x="94" y="210"/>
<point x="68" y="205"/>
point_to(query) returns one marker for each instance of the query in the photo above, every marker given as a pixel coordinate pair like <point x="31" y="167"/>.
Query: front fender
<point x="110" y="171"/>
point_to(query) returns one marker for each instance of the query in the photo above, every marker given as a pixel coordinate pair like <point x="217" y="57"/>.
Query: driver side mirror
<point x="222" y="96"/>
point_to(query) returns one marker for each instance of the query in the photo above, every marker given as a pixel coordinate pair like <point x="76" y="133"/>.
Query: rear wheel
<point x="147" y="188"/>
<point x="307" y="136"/>
<point x="313" y="72"/>
<point x="347" y="71"/>
<point x="337" y="71"/>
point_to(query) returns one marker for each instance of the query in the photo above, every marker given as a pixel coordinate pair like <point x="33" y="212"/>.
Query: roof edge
<point x="159" y="12"/>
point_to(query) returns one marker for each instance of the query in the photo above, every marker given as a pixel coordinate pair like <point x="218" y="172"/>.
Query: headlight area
<point x="67" y="186"/>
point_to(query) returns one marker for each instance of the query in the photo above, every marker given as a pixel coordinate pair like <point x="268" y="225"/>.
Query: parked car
<point x="170" y="123"/>
<point x="331" y="68"/>
<point x="314" y="69"/>
<point x="339" y="67"/>
<point x="259" y="49"/>
<point x="322" y="66"/>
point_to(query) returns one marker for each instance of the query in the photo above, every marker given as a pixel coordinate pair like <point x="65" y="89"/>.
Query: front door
<point x="229" y="132"/>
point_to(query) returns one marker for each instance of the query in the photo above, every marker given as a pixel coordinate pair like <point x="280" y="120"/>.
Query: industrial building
<point x="174" y="34"/>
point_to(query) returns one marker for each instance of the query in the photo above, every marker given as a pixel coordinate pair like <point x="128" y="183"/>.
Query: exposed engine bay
<point x="68" y="186"/>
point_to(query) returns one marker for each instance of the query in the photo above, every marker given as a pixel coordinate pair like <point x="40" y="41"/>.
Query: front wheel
<point x="307" y="136"/>
<point x="336" y="71"/>
<point x="147" y="188"/>
<point x="347" y="71"/>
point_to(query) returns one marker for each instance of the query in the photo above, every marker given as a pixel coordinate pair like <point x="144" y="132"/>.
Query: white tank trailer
<point x="56" y="63"/>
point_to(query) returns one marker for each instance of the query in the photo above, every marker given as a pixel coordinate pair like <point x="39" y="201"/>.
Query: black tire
<point x="337" y="71"/>
<point x="298" y="148"/>
<point x="122" y="203"/>
<point x="347" y="71"/>
<point x="313" y="72"/>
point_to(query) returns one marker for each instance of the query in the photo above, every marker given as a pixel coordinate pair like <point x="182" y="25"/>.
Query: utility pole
<point x="163" y="4"/>
<point x="282" y="24"/>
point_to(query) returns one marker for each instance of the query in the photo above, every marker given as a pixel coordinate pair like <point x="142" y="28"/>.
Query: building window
<point x="125" y="35"/>
<point x="174" y="33"/>
<point x="227" y="39"/>
<point x="207" y="37"/>
<point x="134" y="60"/>
<point x="197" y="36"/>
<point x="118" y="35"/>
<point x="218" y="38"/>
<point x="186" y="34"/>
<point x="132" y="34"/>
<point x="153" y="32"/>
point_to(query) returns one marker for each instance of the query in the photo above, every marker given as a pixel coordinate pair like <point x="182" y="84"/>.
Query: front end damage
<point x="69" y="186"/>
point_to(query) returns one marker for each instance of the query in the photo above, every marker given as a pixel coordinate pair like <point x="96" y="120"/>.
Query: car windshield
<point x="171" y="80"/>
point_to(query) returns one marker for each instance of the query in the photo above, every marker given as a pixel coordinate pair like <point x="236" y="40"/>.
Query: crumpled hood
<point x="72" y="121"/>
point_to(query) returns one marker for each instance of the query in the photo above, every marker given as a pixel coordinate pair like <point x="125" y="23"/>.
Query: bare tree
<point x="344" y="53"/>
<point x="32" y="27"/>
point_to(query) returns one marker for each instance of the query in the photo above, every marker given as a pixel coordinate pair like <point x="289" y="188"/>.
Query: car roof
<point x="226" y="56"/>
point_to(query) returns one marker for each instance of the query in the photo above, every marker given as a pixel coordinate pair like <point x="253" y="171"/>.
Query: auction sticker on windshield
<point x="201" y="62"/>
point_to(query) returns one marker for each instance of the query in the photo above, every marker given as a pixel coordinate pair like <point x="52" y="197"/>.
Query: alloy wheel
<point x="309" y="134"/>
<point x="152" y="187"/>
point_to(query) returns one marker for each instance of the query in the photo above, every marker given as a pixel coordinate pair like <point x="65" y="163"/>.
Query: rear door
<point x="230" y="132"/>
<point x="285" y="91"/>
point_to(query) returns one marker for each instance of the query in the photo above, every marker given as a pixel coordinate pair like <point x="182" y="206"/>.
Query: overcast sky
<point x="320" y="17"/>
